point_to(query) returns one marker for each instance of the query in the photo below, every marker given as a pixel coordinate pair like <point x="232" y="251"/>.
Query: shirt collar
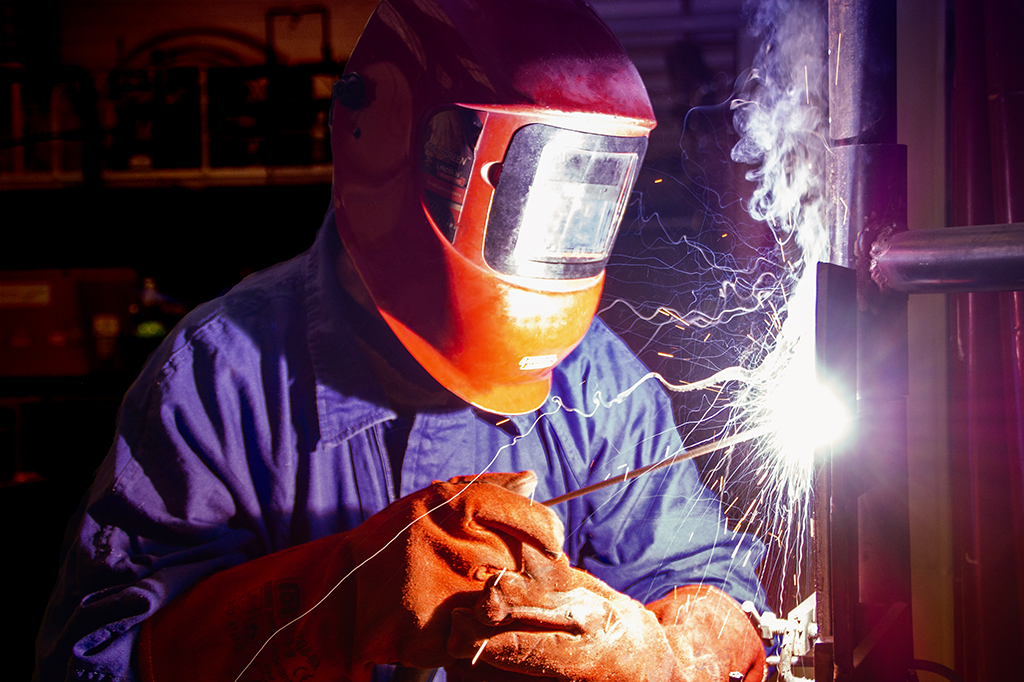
<point x="349" y="396"/>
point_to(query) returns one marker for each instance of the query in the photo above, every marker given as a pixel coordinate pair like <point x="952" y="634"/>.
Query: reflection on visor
<point x="569" y="212"/>
<point x="447" y="163"/>
<point x="559" y="202"/>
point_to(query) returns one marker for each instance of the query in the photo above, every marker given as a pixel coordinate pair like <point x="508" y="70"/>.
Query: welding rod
<point x="705" y="449"/>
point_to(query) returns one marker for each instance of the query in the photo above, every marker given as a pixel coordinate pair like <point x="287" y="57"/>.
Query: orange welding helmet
<point x="484" y="152"/>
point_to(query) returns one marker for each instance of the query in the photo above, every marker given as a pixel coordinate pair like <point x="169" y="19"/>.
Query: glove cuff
<point x="291" y="608"/>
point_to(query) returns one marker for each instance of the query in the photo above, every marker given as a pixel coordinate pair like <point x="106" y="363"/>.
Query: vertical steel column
<point x="868" y="524"/>
<point x="835" y="337"/>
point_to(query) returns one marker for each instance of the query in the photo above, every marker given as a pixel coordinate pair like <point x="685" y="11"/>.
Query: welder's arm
<point x="331" y="608"/>
<point x="558" y="622"/>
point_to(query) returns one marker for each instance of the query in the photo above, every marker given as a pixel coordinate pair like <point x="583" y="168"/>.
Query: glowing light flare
<point x="806" y="415"/>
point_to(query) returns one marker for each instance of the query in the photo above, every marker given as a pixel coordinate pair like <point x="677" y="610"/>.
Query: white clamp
<point x="798" y="631"/>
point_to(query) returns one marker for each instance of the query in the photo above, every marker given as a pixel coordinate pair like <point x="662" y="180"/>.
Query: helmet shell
<point x="489" y="337"/>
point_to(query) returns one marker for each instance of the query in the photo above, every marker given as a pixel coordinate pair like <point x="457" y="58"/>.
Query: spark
<point x="729" y="508"/>
<point x="846" y="210"/>
<point x="753" y="368"/>
<point x="775" y="315"/>
<point x="673" y="314"/>
<point x="479" y="651"/>
<point x="750" y="508"/>
<point x="757" y="532"/>
<point x="626" y="474"/>
<point x="839" y="51"/>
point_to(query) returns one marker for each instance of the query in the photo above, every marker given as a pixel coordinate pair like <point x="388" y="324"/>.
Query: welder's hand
<point x="711" y="635"/>
<point x="388" y="589"/>
<point x="432" y="552"/>
<point x="558" y="622"/>
<point x="552" y="620"/>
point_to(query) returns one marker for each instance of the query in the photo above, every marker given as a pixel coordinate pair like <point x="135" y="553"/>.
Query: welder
<point x="305" y="481"/>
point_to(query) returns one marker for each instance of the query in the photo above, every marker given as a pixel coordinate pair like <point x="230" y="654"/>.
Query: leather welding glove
<point x="381" y="593"/>
<point x="558" y="622"/>
<point x="711" y="635"/>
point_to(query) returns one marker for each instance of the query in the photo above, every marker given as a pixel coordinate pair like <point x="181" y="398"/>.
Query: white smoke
<point x="782" y="118"/>
<point x="783" y="122"/>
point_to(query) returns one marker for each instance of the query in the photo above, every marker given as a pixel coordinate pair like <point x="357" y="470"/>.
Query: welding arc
<point x="705" y="449"/>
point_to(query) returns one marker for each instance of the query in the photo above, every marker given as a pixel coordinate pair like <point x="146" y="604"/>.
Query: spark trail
<point x="738" y="327"/>
<point x="783" y="125"/>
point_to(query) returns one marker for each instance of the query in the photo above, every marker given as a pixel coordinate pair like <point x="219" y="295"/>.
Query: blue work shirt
<point x="259" y="425"/>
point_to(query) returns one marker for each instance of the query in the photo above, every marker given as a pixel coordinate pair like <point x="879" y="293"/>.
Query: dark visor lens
<point x="559" y="202"/>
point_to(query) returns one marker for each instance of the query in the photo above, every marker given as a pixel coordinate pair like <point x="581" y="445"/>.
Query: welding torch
<point x="705" y="449"/>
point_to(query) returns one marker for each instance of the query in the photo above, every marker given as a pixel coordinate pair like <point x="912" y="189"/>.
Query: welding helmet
<point x="484" y="152"/>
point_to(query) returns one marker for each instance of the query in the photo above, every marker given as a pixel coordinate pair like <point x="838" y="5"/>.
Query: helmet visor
<point x="559" y="201"/>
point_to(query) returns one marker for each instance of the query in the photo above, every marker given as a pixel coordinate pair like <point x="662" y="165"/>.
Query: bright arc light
<point x="807" y="415"/>
<point x="830" y="416"/>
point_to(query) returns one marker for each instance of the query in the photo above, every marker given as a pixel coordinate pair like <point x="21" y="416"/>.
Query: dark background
<point x="109" y="173"/>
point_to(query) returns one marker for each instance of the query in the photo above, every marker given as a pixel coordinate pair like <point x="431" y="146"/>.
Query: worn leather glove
<point x="552" y="620"/>
<point x="558" y="622"/>
<point x="711" y="635"/>
<point x="411" y="565"/>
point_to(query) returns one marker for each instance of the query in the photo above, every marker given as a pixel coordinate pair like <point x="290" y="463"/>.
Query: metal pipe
<point x="949" y="260"/>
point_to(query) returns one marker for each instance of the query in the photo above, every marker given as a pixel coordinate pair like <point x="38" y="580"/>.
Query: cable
<point x="937" y="668"/>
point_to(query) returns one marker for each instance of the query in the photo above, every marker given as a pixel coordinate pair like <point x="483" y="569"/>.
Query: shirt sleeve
<point x="177" y="499"/>
<point x="664" y="529"/>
